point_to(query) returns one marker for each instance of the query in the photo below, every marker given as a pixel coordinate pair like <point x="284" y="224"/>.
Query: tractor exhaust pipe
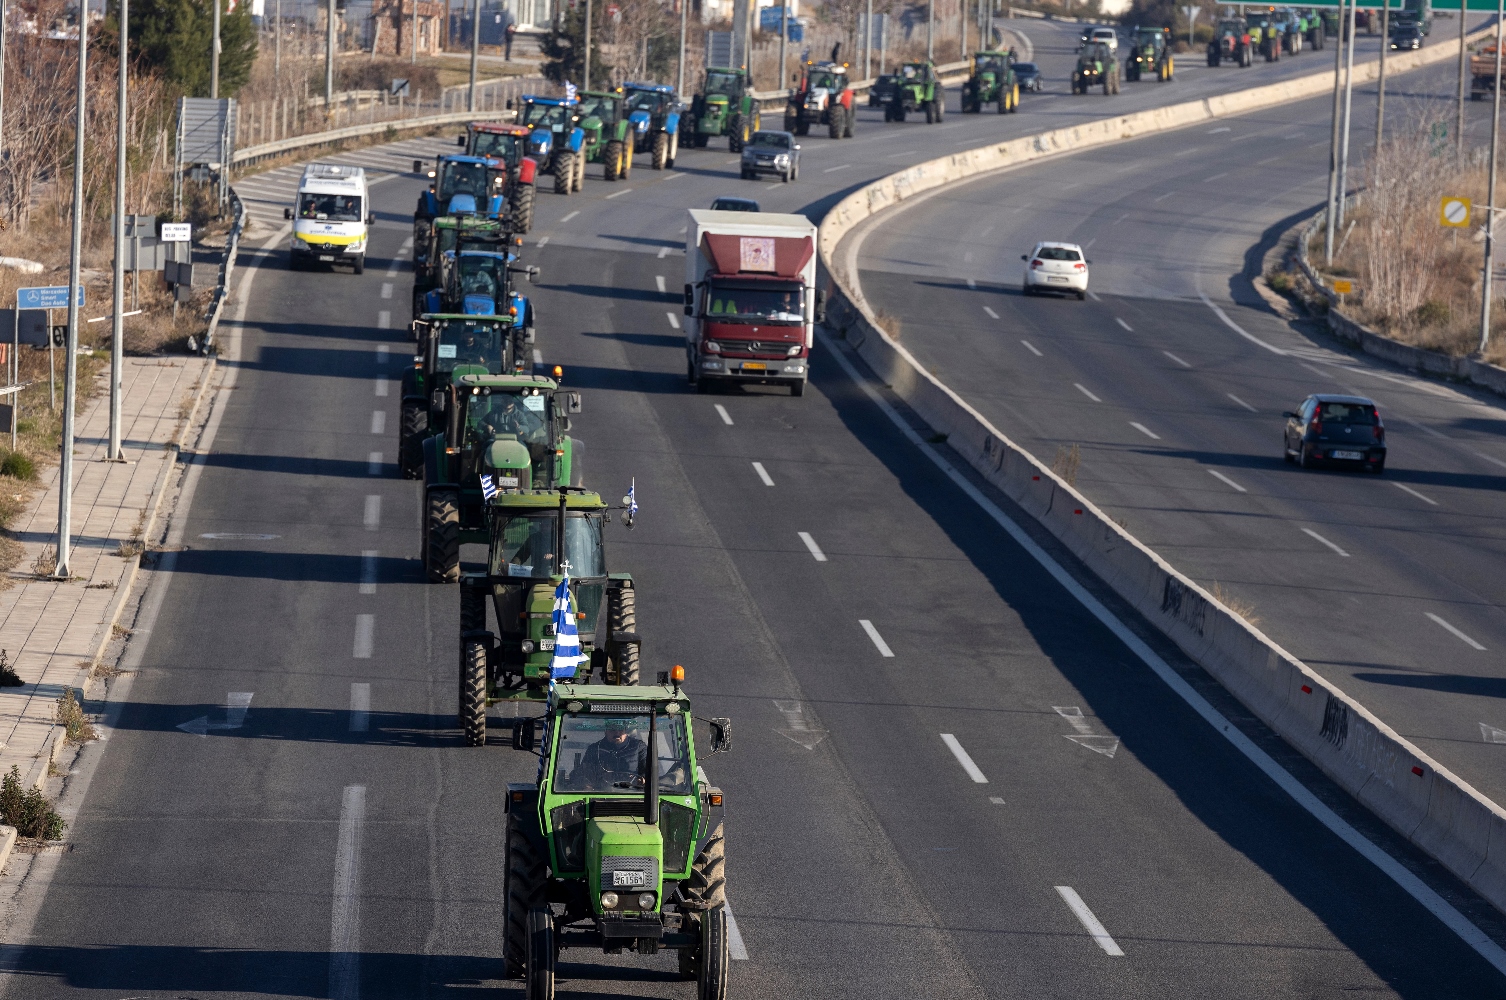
<point x="651" y="769"/>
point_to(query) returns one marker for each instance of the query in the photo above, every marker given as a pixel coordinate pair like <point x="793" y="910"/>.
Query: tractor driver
<point x="472" y="348"/>
<point x="614" y="761"/>
<point x="508" y="417"/>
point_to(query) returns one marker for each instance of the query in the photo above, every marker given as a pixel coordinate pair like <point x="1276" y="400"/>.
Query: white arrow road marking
<point x="973" y="771"/>
<point x="1456" y="632"/>
<point x="345" y="916"/>
<point x="1106" y="745"/>
<point x="797" y="728"/>
<point x="237" y="704"/>
<point x="1089" y="922"/>
<point x="365" y="637"/>
<point x="735" y="946"/>
<point x="360" y="708"/>
<point x="878" y="640"/>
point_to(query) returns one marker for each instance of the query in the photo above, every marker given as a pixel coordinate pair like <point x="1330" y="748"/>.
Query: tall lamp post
<point x="75" y="254"/>
<point x="1490" y="212"/>
<point x="117" y="306"/>
<point x="470" y="100"/>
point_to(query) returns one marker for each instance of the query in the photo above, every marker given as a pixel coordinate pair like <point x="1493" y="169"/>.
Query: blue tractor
<point x="555" y="140"/>
<point x="654" y="113"/>
<point x="464" y="186"/>
<point x="479" y="283"/>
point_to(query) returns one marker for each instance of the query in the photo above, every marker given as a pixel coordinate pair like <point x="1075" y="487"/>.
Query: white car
<point x="1108" y="36"/>
<point x="1056" y="267"/>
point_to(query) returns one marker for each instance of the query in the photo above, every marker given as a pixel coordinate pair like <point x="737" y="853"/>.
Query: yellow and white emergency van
<point x="331" y="216"/>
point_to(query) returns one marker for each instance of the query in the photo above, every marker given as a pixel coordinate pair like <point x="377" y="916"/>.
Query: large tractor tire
<point x="711" y="963"/>
<point x="700" y="140"/>
<point x="611" y="160"/>
<point x="735" y="129"/>
<point x="834" y="122"/>
<point x="930" y="112"/>
<point x="849" y="118"/>
<point x="579" y="182"/>
<point x="622" y="663"/>
<point x="473" y="692"/>
<point x="564" y="172"/>
<point x="707" y="885"/>
<point x="538" y="979"/>
<point x="523" y="197"/>
<point x="410" y="443"/>
<point x="625" y="166"/>
<point x="659" y="152"/>
<point x="442" y="536"/>
<point x="523" y="890"/>
<point x="1213" y="55"/>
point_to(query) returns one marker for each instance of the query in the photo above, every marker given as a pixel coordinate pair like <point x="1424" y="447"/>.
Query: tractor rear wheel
<point x="622" y="661"/>
<point x="735" y="128"/>
<point x="849" y="117"/>
<point x="523" y="890"/>
<point x="538" y="982"/>
<point x="473" y="691"/>
<point x="442" y="531"/>
<point x="930" y="113"/>
<point x="659" y="157"/>
<point x="625" y="165"/>
<point x="410" y="445"/>
<point x="711" y="978"/>
<point x="611" y="160"/>
<point x="564" y="172"/>
<point x="522" y="206"/>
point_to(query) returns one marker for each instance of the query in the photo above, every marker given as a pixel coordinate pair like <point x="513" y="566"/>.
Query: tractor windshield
<point x="502" y="417"/>
<point x="824" y="79"/>
<point x="607" y="753"/>
<point x="991" y="64"/>
<point x="646" y="100"/>
<point x="470" y="342"/>
<point x="483" y="274"/>
<point x="755" y="302"/>
<point x="729" y="84"/>
<point x="502" y="147"/>
<point x="524" y="545"/>
<point x="604" y="108"/>
<point x="546" y="115"/>
<point x="462" y="178"/>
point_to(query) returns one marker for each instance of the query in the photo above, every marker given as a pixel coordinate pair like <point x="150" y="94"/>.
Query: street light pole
<point x="1490" y="212"/>
<point x="75" y="260"/>
<point x="412" y="24"/>
<point x="329" y="61"/>
<point x="277" y="47"/>
<point x="1380" y="97"/>
<point x="214" y="55"/>
<point x="930" y="30"/>
<point x="784" y="37"/>
<point x="586" y="70"/>
<point x="867" y="43"/>
<point x="117" y="321"/>
<point x="1333" y="141"/>
<point x="680" y="73"/>
<point x="1463" y="78"/>
<point x="1348" y="100"/>
<point x="470" y="100"/>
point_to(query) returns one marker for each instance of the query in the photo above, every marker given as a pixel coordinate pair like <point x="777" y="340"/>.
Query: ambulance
<point x="331" y="217"/>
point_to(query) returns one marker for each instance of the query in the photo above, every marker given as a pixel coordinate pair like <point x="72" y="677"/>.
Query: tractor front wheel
<point x="522" y="206"/>
<point x="473" y="692"/>
<point x="659" y="157"/>
<point x="442" y="534"/>
<point x="622" y="659"/>
<point x="711" y="971"/>
<point x="834" y="122"/>
<point x="410" y="445"/>
<point x="611" y="161"/>
<point x="564" y="172"/>
<point x="539" y="978"/>
<point x="523" y="891"/>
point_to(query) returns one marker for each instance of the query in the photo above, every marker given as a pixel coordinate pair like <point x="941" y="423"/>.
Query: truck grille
<point x="764" y="348"/>
<point x="629" y="874"/>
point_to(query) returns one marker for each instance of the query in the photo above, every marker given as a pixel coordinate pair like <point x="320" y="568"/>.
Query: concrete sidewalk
<point x="55" y="632"/>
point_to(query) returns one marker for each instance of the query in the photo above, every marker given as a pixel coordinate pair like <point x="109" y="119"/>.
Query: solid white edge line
<point x="878" y="640"/>
<point x="1226" y="480"/>
<point x="1236" y="327"/>
<point x="736" y="949"/>
<point x="1455" y="631"/>
<point x="1090" y="923"/>
<point x="973" y="771"/>
<point x="1313" y="534"/>
<point x="1408" y="489"/>
<point x="763" y="474"/>
<point x="810" y="543"/>
<point x="1337" y="825"/>
<point x="722" y="410"/>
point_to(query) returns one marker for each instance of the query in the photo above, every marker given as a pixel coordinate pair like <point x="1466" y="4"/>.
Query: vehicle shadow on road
<point x="319" y="362"/>
<point x="642" y="339"/>
<point x="296" y="567"/>
<point x="298" y="465"/>
<point x="1485" y="687"/>
<point x="608" y="292"/>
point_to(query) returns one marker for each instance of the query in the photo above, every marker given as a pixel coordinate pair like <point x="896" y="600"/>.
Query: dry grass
<point x="1238" y="606"/>
<point x="1066" y="462"/>
<point x="70" y="715"/>
<point x="889" y="323"/>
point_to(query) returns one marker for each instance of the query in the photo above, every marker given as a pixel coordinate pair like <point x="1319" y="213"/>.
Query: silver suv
<point x="771" y="153"/>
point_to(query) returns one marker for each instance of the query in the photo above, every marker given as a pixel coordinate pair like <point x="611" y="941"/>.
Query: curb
<point x="7" y="844"/>
<point x="1430" y="806"/>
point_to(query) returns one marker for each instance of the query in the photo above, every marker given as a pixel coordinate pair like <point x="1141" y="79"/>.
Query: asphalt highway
<point x="949" y="778"/>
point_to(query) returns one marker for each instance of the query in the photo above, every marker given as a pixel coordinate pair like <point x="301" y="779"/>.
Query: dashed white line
<point x="659" y="283"/>
<point x="378" y="421"/>
<point x="991" y="312"/>
<point x="368" y="571"/>
<point x="722" y="412"/>
<point x="1313" y="534"/>
<point x="618" y="194"/>
<point x="1176" y="359"/>
<point x="763" y="474"/>
<point x="1090" y="923"/>
<point x="832" y="170"/>
<point x="538" y="356"/>
<point x="1215" y="177"/>
<point x="972" y="283"/>
<point x="674" y="320"/>
<point x="1241" y="402"/>
<point x="1084" y="390"/>
<point x="381" y="386"/>
<point x="1168" y="194"/>
<point x="384" y="354"/>
<point x="810" y="543"/>
<point x="365" y="637"/>
<point x="1124" y="324"/>
<point x="1216" y="131"/>
<point x="1408" y="489"/>
<point x="360" y="707"/>
<point x="1031" y="348"/>
<point x="1226" y="480"/>
<point x="345" y="916"/>
<point x="1481" y="454"/>
<point x="1457" y="634"/>
<point x="542" y="241"/>
<point x="386" y="289"/>
<point x="973" y="771"/>
<point x="384" y="320"/>
<point x="374" y="463"/>
<point x="878" y="640"/>
<point x="371" y="517"/>
<point x="663" y="252"/>
<point x="1145" y="430"/>
<point x="570" y="216"/>
<point x="1094" y="296"/>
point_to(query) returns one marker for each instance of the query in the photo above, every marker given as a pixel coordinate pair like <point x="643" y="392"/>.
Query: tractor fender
<point x="577" y="139"/>
<point x="672" y="122"/>
<point x="847" y="99"/>
<point x="528" y="169"/>
<point x="523" y="813"/>
<point x="431" y="462"/>
<point x="639" y="121"/>
<point x="495" y="211"/>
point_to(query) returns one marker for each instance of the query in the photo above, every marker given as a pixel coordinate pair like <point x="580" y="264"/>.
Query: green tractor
<point x="1150" y="55"/>
<point x="725" y="106"/>
<point x="512" y="429"/>
<point x="990" y="80"/>
<point x="450" y="345"/>
<point x="917" y="87"/>
<point x="608" y="133"/>
<point x="619" y="843"/>
<point x="1096" y="65"/>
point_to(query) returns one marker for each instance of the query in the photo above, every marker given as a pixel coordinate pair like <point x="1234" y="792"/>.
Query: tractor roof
<point x="630" y="697"/>
<point x="499" y="128"/>
<point x="727" y="69"/>
<point x="552" y="101"/>
<point x="550" y="500"/>
<point x="828" y="65"/>
<point x="466" y="317"/>
<point x="658" y="88"/>
<point x="490" y="161"/>
<point x="505" y="381"/>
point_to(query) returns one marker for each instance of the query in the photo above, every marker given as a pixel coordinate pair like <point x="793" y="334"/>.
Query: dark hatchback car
<point x="734" y="205"/>
<point x="1407" y="36"/>
<point x="1029" y="75"/>
<point x="1339" y="429"/>
<point x="882" y="92"/>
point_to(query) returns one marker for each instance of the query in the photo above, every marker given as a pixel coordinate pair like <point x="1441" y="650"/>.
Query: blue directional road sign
<point x="52" y="297"/>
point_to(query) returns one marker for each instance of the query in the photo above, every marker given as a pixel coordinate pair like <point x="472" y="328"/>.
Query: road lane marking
<point x="1487" y="458"/>
<point x="381" y="387"/>
<point x="991" y="312"/>
<point x="618" y="194"/>
<point x="1314" y="534"/>
<point x="386" y="289"/>
<point x="1490" y="734"/>
<point x="378" y="421"/>
<point x="763" y="473"/>
<point x="663" y="252"/>
<point x="1176" y="359"/>
<point x="1145" y="430"/>
<point x="1237" y="328"/>
<point x="538" y="356"/>
<point x="360" y="708"/>
<point x="374" y="463"/>
<point x="1123" y="324"/>
<point x="674" y="320"/>
<point x="1456" y="632"/>
<point x="1094" y="296"/>
<point x="541" y="242"/>
<point x="1241" y="402"/>
<point x="973" y="771"/>
<point x="1031" y="348"/>
<point x="997" y="800"/>
<point x="365" y="637"/>
<point x="1226" y="480"/>
<point x="736" y="950"/>
<point x="878" y="640"/>
<point x="972" y="283"/>
<point x="810" y="543"/>
<point x="384" y="354"/>
<point x="570" y="216"/>
<point x="722" y="411"/>
<point x="1090" y="923"/>
<point x="659" y="282"/>
<point x="1408" y="489"/>
<point x="832" y="170"/>
<point x="1216" y="131"/>
<point x="1215" y="177"/>
<point x="345" y="918"/>
<point x="384" y="320"/>
<point x="1168" y="194"/>
<point x="368" y="571"/>
<point x="372" y="516"/>
<point x="1083" y="389"/>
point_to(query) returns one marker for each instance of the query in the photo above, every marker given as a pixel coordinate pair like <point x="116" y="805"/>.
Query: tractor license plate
<point x="754" y="366"/>
<point x="507" y="482"/>
<point x="631" y="880"/>
<point x="327" y="256"/>
<point x="1062" y="280"/>
<point x="546" y="643"/>
<point x="1355" y="455"/>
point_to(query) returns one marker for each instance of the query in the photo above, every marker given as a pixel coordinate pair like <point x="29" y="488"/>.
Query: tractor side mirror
<point x="689" y="296"/>
<point x="436" y="401"/>
<point x="525" y="735"/>
<point x="572" y="402"/>
<point x="418" y="166"/>
<point x="821" y="306"/>
<point x="287" y="213"/>
<point x="721" y="735"/>
<point x="461" y="143"/>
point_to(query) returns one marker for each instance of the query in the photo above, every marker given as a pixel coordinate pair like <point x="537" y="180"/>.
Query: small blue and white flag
<point x="567" y="654"/>
<point x="488" y="488"/>
<point x="632" y="497"/>
<point x="569" y="91"/>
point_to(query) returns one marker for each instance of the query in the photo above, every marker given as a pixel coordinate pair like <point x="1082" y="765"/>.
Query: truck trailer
<point x="751" y="303"/>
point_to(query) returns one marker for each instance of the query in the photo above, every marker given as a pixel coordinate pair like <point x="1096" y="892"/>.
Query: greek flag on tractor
<point x="567" y="654"/>
<point x="488" y="487"/>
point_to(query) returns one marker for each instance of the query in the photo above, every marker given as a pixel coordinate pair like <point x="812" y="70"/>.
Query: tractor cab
<point x="496" y="140"/>
<point x="991" y="63"/>
<point x="551" y="126"/>
<point x="449" y="346"/>
<point x="464" y="186"/>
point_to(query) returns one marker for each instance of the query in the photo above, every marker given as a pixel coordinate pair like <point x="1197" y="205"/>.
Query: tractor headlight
<point x="527" y="645"/>
<point x="645" y="901"/>
<point x="609" y="901"/>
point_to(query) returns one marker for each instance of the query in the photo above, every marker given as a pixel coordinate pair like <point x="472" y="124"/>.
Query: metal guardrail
<point x="222" y="285"/>
<point x="260" y="152"/>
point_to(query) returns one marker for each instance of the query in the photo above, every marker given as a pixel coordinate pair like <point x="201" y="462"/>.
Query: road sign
<point x="176" y="232"/>
<point x="52" y="297"/>
<point x="1454" y="212"/>
<point x="1343" y="286"/>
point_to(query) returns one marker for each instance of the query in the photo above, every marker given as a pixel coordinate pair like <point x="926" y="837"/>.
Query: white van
<point x="1106" y="35"/>
<point x="330" y="217"/>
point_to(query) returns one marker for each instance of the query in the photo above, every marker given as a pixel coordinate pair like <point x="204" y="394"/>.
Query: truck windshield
<point x="524" y="545"/>
<point x="503" y="147"/>
<point x="462" y="178"/>
<point x="755" y="302"/>
<point x="606" y="753"/>
<point x="729" y="84"/>
<point x="545" y="114"/>
<point x="330" y="207"/>
<point x="469" y="342"/>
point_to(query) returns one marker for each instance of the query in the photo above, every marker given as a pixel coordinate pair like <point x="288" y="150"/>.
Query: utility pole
<point x="214" y="54"/>
<point x="414" y="25"/>
<point x="470" y="100"/>
<point x="329" y="62"/>
<point x="586" y="71"/>
<point x="867" y="44"/>
<point x="930" y="30"/>
<point x="2" y="79"/>
<point x="75" y="260"/>
<point x="117" y="320"/>
<point x="1348" y="98"/>
<point x="962" y="16"/>
<point x="680" y="73"/>
<point x="1380" y="97"/>
<point x="1333" y="142"/>
<point x="1490" y="212"/>
<point x="784" y="38"/>
<point x="1463" y="78"/>
<point x="277" y="47"/>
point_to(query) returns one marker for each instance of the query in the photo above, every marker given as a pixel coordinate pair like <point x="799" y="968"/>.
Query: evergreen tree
<point x="175" y="36"/>
<point x="562" y="47"/>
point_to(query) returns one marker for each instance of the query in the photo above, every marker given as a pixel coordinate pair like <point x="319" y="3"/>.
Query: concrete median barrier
<point x="1423" y="801"/>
